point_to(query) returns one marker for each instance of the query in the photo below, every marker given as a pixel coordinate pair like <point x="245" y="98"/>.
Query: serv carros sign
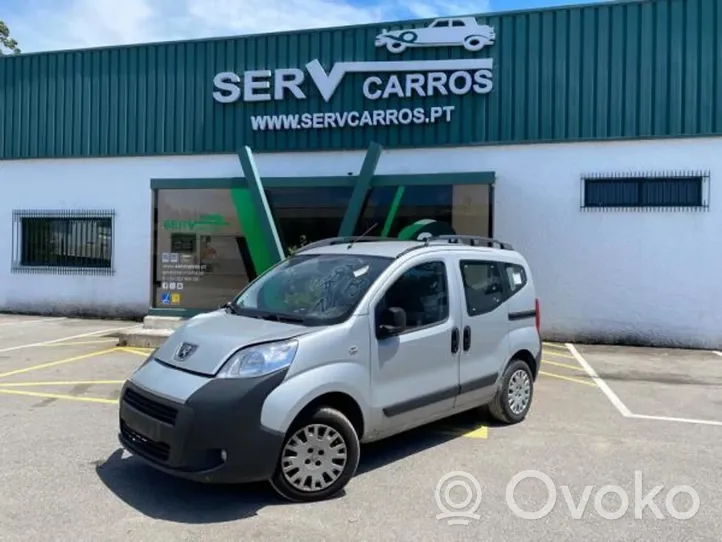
<point x="382" y="79"/>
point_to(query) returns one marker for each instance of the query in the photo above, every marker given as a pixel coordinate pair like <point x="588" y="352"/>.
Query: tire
<point x="474" y="43"/>
<point x="288" y="474"/>
<point x="501" y="407"/>
<point x="408" y="36"/>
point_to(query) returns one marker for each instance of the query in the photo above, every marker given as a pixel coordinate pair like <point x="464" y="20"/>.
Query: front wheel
<point x="513" y="398"/>
<point x="319" y="457"/>
<point x="395" y="47"/>
<point x="474" y="43"/>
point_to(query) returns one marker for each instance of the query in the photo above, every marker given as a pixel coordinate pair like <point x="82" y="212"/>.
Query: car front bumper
<point x="215" y="436"/>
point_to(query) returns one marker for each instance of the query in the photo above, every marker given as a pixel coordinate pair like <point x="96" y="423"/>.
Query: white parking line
<point x="613" y="398"/>
<point x="683" y="420"/>
<point x="39" y="321"/>
<point x="89" y="334"/>
<point x="718" y="353"/>
<point x="620" y="406"/>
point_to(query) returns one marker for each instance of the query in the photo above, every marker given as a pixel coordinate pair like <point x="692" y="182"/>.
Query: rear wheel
<point x="319" y="457"/>
<point x="513" y="398"/>
<point x="474" y="43"/>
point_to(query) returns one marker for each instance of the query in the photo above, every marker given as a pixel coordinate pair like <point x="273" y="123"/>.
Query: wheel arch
<point x="527" y="357"/>
<point x="340" y="401"/>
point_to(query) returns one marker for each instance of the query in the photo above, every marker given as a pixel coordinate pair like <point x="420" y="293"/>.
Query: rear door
<point x="485" y="328"/>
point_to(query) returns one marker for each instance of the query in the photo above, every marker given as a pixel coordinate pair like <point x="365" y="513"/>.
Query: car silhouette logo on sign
<point x="445" y="32"/>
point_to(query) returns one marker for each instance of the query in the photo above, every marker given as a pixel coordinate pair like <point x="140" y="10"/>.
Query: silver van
<point x="345" y="342"/>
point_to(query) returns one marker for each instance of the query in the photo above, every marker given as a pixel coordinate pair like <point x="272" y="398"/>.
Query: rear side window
<point x="483" y="287"/>
<point x="515" y="277"/>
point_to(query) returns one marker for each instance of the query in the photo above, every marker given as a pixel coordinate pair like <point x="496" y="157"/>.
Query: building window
<point x="666" y="191"/>
<point x="63" y="242"/>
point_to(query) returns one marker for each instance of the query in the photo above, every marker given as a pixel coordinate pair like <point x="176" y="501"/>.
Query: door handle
<point x="467" y="338"/>
<point x="454" y="340"/>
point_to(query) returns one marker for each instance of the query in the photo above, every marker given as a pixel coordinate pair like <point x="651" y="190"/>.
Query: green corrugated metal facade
<point x="618" y="70"/>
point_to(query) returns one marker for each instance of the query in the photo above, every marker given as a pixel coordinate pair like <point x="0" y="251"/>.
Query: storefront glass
<point x="409" y="212"/>
<point x="304" y="215"/>
<point x="202" y="256"/>
<point x="206" y="239"/>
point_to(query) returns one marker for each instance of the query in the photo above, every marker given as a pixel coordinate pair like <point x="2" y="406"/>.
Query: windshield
<point x="311" y="289"/>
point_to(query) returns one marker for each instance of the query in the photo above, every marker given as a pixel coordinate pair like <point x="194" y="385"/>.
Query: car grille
<point x="157" y="450"/>
<point x="151" y="408"/>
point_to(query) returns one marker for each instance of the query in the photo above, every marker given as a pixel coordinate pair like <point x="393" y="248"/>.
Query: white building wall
<point x="650" y="277"/>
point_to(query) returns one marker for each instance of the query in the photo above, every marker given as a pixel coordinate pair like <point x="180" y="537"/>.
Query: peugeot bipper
<point x="345" y="342"/>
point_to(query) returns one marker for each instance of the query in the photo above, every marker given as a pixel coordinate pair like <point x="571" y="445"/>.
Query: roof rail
<point x="342" y="240"/>
<point x="472" y="240"/>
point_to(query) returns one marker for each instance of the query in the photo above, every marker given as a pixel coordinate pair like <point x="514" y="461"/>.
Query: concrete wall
<point x="649" y="277"/>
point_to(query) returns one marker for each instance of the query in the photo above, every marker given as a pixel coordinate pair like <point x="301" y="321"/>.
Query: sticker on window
<point x="516" y="277"/>
<point x="362" y="271"/>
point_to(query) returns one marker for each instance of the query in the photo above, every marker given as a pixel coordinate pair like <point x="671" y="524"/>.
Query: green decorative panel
<point x="600" y="71"/>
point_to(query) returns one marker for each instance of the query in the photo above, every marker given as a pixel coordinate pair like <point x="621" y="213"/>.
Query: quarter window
<point x="422" y="292"/>
<point x="515" y="277"/>
<point x="483" y="286"/>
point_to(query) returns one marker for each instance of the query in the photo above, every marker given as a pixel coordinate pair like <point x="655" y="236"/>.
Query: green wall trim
<point x="407" y="179"/>
<point x="426" y="179"/>
<point x="263" y="217"/>
<point x="247" y="215"/>
<point x="360" y="191"/>
<point x="393" y="210"/>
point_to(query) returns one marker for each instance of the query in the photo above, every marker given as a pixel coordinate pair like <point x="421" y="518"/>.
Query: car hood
<point x="217" y="335"/>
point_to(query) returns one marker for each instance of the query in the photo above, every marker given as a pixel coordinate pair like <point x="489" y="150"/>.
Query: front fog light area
<point x="259" y="360"/>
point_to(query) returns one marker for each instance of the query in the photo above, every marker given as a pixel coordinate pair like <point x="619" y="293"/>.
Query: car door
<point x="485" y="328"/>
<point x="415" y="373"/>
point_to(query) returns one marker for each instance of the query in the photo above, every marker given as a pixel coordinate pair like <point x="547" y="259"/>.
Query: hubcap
<point x="314" y="457"/>
<point x="519" y="391"/>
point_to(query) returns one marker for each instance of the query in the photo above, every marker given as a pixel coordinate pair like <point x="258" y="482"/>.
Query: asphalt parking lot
<point x="599" y="414"/>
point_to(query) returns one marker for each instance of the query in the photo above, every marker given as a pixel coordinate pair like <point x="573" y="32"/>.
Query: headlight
<point x="259" y="360"/>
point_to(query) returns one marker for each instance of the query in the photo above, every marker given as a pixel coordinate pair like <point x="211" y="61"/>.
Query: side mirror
<point x="391" y="322"/>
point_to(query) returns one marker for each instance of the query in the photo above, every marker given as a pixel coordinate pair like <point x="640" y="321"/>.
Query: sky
<point x="42" y="25"/>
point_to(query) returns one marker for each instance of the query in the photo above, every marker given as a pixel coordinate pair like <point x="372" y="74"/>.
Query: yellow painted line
<point x="569" y="379"/>
<point x="59" y="383"/>
<point x="79" y="343"/>
<point x="479" y="432"/>
<point x="134" y="351"/>
<point x="556" y="345"/>
<point x="566" y="365"/>
<point x="559" y="355"/>
<point x="59" y="362"/>
<point x="60" y="396"/>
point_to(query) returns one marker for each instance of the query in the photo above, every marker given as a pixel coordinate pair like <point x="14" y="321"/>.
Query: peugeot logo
<point x="184" y="351"/>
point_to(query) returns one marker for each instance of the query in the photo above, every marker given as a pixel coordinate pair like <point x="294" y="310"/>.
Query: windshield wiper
<point x="282" y="318"/>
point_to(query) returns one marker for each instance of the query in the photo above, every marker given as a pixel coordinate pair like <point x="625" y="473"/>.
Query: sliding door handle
<point x="455" y="340"/>
<point x="467" y="338"/>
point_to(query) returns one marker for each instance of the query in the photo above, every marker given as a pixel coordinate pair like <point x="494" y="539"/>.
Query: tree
<point x="6" y="42"/>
